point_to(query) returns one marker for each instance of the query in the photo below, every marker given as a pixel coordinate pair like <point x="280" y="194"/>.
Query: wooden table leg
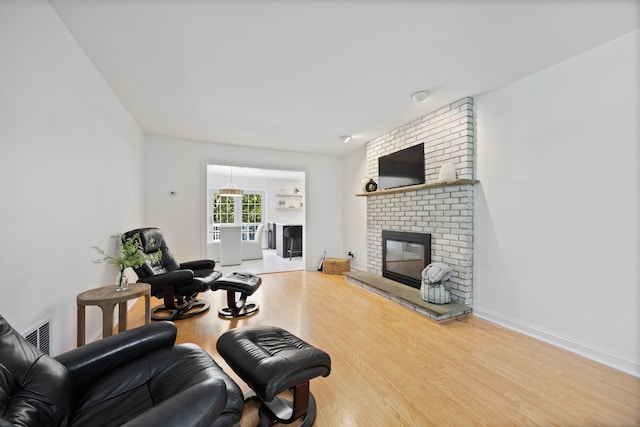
<point x="81" y="326"/>
<point x="147" y="309"/>
<point x="122" y="316"/>
<point x="107" y="319"/>
<point x="106" y="298"/>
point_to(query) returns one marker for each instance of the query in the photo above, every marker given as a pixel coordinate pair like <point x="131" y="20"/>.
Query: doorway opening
<point x="266" y="199"/>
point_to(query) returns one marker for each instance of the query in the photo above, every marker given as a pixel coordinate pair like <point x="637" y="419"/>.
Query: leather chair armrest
<point x="172" y="278"/>
<point x="200" y="264"/>
<point x="92" y="361"/>
<point x="199" y="405"/>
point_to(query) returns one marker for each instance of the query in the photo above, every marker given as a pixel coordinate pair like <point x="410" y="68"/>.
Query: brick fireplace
<point x="443" y="210"/>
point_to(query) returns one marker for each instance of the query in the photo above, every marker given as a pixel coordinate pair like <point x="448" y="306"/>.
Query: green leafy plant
<point x="129" y="255"/>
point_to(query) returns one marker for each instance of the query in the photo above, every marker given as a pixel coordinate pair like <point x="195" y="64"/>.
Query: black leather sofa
<point x="135" y="378"/>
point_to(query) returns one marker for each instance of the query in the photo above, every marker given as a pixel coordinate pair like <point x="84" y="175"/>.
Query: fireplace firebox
<point x="405" y="255"/>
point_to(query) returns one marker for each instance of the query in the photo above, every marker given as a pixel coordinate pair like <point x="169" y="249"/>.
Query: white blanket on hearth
<point x="437" y="272"/>
<point x="435" y="286"/>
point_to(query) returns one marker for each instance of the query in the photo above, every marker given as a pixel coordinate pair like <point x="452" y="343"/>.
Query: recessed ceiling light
<point x="420" y="95"/>
<point x="345" y="138"/>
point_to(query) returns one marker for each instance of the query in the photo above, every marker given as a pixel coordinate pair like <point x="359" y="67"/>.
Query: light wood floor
<point x="393" y="367"/>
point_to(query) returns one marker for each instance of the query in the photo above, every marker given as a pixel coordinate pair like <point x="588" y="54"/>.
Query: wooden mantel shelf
<point x="433" y="184"/>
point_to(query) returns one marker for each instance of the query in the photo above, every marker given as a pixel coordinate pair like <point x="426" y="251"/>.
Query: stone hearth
<point x="406" y="296"/>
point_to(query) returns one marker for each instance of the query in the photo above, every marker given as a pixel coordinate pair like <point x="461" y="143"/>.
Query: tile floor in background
<point x="270" y="263"/>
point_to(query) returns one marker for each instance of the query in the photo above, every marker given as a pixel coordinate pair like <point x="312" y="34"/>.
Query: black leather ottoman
<point x="271" y="360"/>
<point x="242" y="284"/>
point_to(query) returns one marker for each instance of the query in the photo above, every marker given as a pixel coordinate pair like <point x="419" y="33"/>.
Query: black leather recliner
<point x="135" y="378"/>
<point x="177" y="283"/>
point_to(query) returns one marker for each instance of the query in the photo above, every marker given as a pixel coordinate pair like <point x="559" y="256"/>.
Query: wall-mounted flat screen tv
<point x="402" y="168"/>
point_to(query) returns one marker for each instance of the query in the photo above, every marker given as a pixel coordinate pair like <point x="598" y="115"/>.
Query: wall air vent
<point x="39" y="336"/>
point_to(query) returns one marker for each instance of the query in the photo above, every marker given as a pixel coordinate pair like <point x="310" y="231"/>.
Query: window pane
<point x="223" y="209"/>
<point x="251" y="214"/>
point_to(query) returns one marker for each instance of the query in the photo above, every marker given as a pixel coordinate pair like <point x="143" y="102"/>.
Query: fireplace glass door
<point x="405" y="256"/>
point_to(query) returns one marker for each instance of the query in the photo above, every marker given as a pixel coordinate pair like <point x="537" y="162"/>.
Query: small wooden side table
<point x="107" y="297"/>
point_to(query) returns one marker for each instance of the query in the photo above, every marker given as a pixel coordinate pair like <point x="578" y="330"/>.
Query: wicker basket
<point x="336" y="265"/>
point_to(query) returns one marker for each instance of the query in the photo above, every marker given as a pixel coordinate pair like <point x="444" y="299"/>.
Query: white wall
<point x="284" y="215"/>
<point x="68" y="172"/>
<point x="180" y="165"/>
<point x="557" y="208"/>
<point x="355" y="208"/>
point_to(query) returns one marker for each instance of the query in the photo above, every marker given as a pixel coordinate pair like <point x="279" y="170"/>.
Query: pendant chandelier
<point x="230" y="189"/>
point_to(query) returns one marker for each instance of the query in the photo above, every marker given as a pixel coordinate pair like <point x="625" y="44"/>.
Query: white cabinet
<point x="230" y="245"/>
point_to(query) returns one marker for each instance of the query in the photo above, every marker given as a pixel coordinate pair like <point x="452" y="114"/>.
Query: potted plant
<point x="130" y="255"/>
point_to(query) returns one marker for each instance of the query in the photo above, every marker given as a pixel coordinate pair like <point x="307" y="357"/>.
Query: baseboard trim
<point x="596" y="354"/>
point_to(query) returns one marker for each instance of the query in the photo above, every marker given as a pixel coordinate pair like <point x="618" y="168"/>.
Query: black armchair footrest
<point x="271" y="361"/>
<point x="239" y="286"/>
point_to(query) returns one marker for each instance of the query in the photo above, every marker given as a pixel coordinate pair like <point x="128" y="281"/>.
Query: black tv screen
<point x="402" y="168"/>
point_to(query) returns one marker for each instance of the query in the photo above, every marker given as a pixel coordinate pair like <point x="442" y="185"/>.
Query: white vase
<point x="122" y="282"/>
<point x="447" y="172"/>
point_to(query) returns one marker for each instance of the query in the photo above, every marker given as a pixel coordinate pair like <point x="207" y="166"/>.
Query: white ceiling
<point x="295" y="75"/>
